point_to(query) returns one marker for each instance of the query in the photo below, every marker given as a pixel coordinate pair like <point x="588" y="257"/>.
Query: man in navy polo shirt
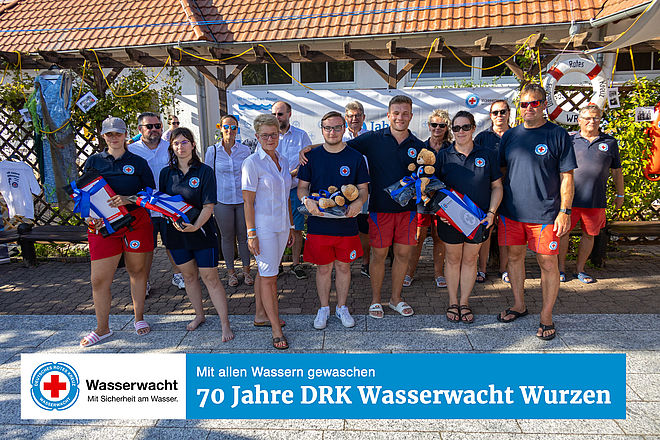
<point x="538" y="160"/>
<point x="333" y="241"/>
<point x="597" y="153"/>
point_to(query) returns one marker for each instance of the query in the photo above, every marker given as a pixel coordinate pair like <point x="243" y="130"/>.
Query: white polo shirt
<point x="290" y="145"/>
<point x="227" y="170"/>
<point x="157" y="159"/>
<point x="271" y="204"/>
<point x="348" y="134"/>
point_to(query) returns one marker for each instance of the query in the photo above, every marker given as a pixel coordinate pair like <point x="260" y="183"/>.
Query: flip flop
<point x="267" y="323"/>
<point x="562" y="277"/>
<point x="505" y="277"/>
<point x="376" y="308"/>
<point x="441" y="282"/>
<point x="93" y="338"/>
<point x="544" y="328"/>
<point x="139" y="325"/>
<point x="585" y="278"/>
<point x="278" y="340"/>
<point x="401" y="307"/>
<point x="481" y="277"/>
<point x="515" y="314"/>
<point x="407" y="281"/>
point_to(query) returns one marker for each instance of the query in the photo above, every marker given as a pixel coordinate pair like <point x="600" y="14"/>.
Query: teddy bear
<point x="423" y="168"/>
<point x="336" y="197"/>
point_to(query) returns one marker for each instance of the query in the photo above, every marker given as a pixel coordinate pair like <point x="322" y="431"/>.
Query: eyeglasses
<point x="183" y="143"/>
<point x="356" y="115"/>
<point x="437" y="125"/>
<point x="229" y="127"/>
<point x="268" y="136"/>
<point x="174" y="123"/>
<point x="278" y="114"/>
<point x="590" y="119"/>
<point x="503" y="112"/>
<point x="532" y="104"/>
<point x="464" y="127"/>
<point x="150" y="126"/>
<point x="336" y="128"/>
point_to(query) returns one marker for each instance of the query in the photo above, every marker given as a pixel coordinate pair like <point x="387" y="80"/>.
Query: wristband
<point x="250" y="237"/>
<point x="492" y="212"/>
<point x="252" y="230"/>
<point x="292" y="227"/>
<point x="621" y="196"/>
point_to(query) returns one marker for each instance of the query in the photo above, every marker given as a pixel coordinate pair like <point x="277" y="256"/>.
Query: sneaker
<point x="177" y="280"/>
<point x="299" y="271"/>
<point x="407" y="281"/>
<point x="441" y="282"/>
<point x="345" y="316"/>
<point x="364" y="270"/>
<point x="321" y="320"/>
<point x="148" y="289"/>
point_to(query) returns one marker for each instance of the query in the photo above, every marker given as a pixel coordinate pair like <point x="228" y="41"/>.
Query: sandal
<point x="247" y="279"/>
<point x="140" y="325"/>
<point x="280" y="340"/>
<point x="585" y="278"/>
<point x="562" y="277"/>
<point x="481" y="277"/>
<point x="546" y="328"/>
<point x="515" y="315"/>
<point x="267" y="323"/>
<point x="401" y="308"/>
<point x="468" y="312"/>
<point x="457" y="313"/>
<point x="441" y="282"/>
<point x="233" y="280"/>
<point x="407" y="281"/>
<point x="505" y="277"/>
<point x="93" y="338"/>
<point x="374" y="309"/>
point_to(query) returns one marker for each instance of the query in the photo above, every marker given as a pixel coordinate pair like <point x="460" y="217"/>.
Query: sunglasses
<point x="150" y="126"/>
<point x="336" y="128"/>
<point x="229" y="127"/>
<point x="269" y="136"/>
<point x="437" y="125"/>
<point x="278" y="114"/>
<point x="532" y="104"/>
<point x="464" y="127"/>
<point x="502" y="112"/>
<point x="175" y="123"/>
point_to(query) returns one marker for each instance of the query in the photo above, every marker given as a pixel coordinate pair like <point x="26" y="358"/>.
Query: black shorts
<point x="363" y="223"/>
<point x="451" y="235"/>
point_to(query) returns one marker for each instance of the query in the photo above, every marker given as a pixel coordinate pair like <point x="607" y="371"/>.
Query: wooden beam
<point x="143" y="58"/>
<point x="302" y="50"/>
<point x="259" y="52"/>
<point x="391" y="48"/>
<point x="484" y="43"/>
<point x="404" y="71"/>
<point x="580" y="40"/>
<point x="10" y="57"/>
<point x="222" y="90"/>
<point x="391" y="78"/>
<point x="234" y="73"/>
<point x="379" y="70"/>
<point x="105" y="60"/>
<point x="438" y="45"/>
<point x="112" y="76"/>
<point x="347" y="48"/>
<point x="536" y="40"/>
<point x="517" y="71"/>
<point x="209" y="75"/>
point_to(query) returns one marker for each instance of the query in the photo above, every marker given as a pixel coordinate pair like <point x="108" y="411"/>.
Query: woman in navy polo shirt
<point x="127" y="174"/>
<point x="474" y="171"/>
<point x="194" y="247"/>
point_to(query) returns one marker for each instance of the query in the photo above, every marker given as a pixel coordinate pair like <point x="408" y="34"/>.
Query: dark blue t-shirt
<point x="127" y="175"/>
<point x="326" y="169"/>
<point x="471" y="175"/>
<point x="388" y="163"/>
<point x="594" y="160"/>
<point x="198" y="188"/>
<point x="534" y="159"/>
<point x="488" y="138"/>
<point x="427" y="145"/>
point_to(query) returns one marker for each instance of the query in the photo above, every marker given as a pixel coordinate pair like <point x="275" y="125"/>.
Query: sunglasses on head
<point x="150" y="126"/>
<point x="532" y="104"/>
<point x="229" y="127"/>
<point x="499" y="112"/>
<point x="464" y="127"/>
<point x="437" y="125"/>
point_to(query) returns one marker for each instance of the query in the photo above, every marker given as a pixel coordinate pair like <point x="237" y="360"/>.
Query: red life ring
<point x="579" y="65"/>
<point x="652" y="168"/>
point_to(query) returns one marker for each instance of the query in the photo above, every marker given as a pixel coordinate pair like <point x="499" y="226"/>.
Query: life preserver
<point x="652" y="168"/>
<point x="580" y="65"/>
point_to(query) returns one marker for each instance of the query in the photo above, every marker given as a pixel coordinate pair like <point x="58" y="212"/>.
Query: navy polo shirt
<point x="388" y="163"/>
<point x="198" y="188"/>
<point x="126" y="175"/>
<point x="326" y="169"/>
<point x="470" y="175"/>
<point x="534" y="159"/>
<point x="488" y="138"/>
<point x="594" y="161"/>
<point x="427" y="145"/>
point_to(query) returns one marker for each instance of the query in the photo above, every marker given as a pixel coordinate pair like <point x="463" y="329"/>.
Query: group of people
<point x="524" y="178"/>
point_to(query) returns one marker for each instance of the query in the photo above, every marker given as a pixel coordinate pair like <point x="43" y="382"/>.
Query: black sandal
<point x="457" y="313"/>
<point x="468" y="312"/>
<point x="515" y="314"/>
<point x="544" y="328"/>
<point x="279" y="340"/>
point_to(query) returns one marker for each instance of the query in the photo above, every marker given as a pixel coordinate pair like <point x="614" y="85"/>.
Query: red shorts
<point x="425" y="220"/>
<point x="592" y="219"/>
<point x="386" y="228"/>
<point x="538" y="238"/>
<point x="324" y="249"/>
<point x="140" y="239"/>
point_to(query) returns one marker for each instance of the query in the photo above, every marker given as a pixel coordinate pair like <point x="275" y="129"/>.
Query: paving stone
<point x="428" y="425"/>
<point x="641" y="418"/>
<point x="512" y="340"/>
<point x="260" y="339"/>
<point x="154" y="433"/>
<point x="55" y="322"/>
<point x="69" y="341"/>
<point x="611" y="340"/>
<point x="562" y="436"/>
<point x="570" y="426"/>
<point x="255" y="434"/>
<point x="430" y="339"/>
<point x="10" y="380"/>
<point x="640" y="321"/>
<point x="646" y="386"/>
<point x="68" y="432"/>
<point x="27" y="338"/>
<point x="642" y="362"/>
<point x="258" y="424"/>
<point x="369" y="435"/>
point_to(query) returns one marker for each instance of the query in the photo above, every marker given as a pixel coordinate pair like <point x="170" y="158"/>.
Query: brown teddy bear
<point x="423" y="168"/>
<point x="337" y="197"/>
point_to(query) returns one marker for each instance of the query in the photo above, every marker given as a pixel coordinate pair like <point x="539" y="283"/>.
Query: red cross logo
<point x="54" y="386"/>
<point x="472" y="100"/>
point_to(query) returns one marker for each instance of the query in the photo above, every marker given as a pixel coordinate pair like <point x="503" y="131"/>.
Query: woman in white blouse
<point x="266" y="183"/>
<point x="226" y="158"/>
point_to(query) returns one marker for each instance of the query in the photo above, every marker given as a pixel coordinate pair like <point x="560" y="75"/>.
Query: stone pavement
<point x="628" y="284"/>
<point x="636" y="335"/>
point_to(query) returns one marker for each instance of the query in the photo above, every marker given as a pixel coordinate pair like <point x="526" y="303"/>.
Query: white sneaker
<point x="345" y="316"/>
<point x="177" y="280"/>
<point x="148" y="289"/>
<point x="321" y="320"/>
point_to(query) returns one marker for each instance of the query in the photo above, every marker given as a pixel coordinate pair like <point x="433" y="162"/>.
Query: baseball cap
<point x="113" y="125"/>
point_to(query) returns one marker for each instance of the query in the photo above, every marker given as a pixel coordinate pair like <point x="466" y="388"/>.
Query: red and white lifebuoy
<point x="578" y="65"/>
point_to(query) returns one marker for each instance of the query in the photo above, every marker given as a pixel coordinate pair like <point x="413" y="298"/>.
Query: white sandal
<point x="401" y="307"/>
<point x="376" y="308"/>
<point x="93" y="338"/>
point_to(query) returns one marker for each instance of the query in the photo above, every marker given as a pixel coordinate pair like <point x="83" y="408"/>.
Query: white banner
<point x="103" y="386"/>
<point x="308" y="106"/>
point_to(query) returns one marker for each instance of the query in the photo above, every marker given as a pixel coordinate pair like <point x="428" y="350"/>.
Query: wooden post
<point x="391" y="80"/>
<point x="221" y="85"/>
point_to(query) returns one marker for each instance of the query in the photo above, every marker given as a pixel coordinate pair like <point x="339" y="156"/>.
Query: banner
<point x="308" y="106"/>
<point x="329" y="386"/>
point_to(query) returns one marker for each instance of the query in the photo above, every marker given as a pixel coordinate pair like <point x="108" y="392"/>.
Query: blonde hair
<point x="444" y="115"/>
<point x="263" y="120"/>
